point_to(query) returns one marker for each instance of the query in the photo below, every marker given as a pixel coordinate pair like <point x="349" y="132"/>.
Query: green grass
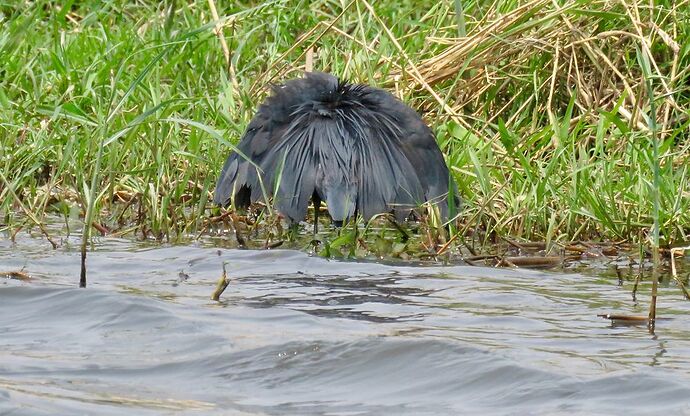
<point x="122" y="113"/>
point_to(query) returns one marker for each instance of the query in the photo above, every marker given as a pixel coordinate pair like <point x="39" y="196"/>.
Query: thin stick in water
<point x="222" y="284"/>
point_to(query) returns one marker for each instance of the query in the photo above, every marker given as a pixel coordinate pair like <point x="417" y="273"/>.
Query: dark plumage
<point x="358" y="148"/>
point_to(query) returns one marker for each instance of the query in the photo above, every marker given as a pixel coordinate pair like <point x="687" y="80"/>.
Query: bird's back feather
<point x="356" y="147"/>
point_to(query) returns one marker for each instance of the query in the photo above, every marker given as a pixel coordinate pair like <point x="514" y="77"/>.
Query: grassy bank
<point x="561" y="120"/>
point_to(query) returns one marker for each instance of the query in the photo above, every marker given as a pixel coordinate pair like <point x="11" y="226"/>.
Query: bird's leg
<point x="293" y="231"/>
<point x="317" y="207"/>
<point x="356" y="226"/>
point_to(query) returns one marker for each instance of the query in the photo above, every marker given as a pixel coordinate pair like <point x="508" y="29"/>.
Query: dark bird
<point x="356" y="147"/>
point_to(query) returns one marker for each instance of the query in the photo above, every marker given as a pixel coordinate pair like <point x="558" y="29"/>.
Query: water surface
<point x="301" y="335"/>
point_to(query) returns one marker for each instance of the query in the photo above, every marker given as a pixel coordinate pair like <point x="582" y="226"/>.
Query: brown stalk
<point x="549" y="102"/>
<point x="223" y="44"/>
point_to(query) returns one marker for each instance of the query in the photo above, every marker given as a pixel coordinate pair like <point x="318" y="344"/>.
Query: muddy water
<point x="299" y="335"/>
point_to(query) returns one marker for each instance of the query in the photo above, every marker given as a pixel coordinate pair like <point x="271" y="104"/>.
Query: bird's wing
<point x="239" y="177"/>
<point x="289" y="168"/>
<point x="418" y="144"/>
<point x="388" y="180"/>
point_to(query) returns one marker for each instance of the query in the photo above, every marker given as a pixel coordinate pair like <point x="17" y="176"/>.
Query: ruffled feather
<point x="356" y="147"/>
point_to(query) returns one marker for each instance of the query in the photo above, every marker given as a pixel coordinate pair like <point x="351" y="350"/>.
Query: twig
<point x="555" y="138"/>
<point x="16" y="275"/>
<point x="222" y="284"/>
<point x="448" y="243"/>
<point x="309" y="62"/>
<point x="673" y="269"/>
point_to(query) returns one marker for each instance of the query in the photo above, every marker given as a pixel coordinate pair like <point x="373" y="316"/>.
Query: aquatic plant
<point x="121" y="113"/>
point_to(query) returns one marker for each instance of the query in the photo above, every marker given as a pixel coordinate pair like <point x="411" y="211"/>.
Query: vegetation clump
<point x="561" y="120"/>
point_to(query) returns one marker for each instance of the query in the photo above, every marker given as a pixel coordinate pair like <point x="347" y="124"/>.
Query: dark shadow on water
<point x="338" y="296"/>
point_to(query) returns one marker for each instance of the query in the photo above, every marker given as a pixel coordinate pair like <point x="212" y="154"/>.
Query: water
<point x="299" y="335"/>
